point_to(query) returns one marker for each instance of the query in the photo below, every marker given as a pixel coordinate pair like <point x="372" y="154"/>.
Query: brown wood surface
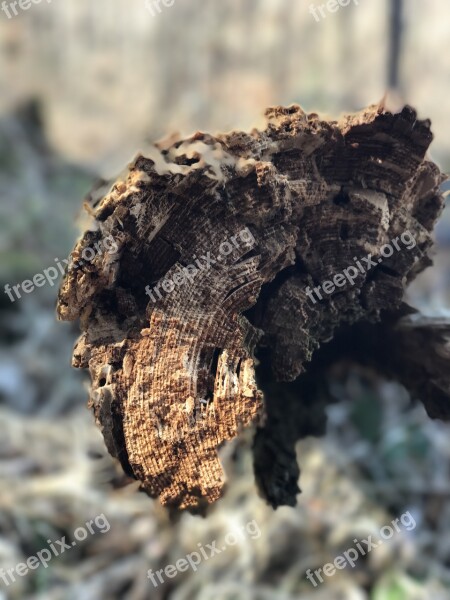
<point x="177" y="375"/>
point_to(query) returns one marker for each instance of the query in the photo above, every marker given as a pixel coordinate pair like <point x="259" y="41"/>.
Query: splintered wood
<point x="218" y="244"/>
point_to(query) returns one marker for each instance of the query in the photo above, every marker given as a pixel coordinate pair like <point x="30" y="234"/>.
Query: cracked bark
<point x="173" y="374"/>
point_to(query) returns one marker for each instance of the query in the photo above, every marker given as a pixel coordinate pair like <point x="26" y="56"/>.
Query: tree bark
<point x="240" y="228"/>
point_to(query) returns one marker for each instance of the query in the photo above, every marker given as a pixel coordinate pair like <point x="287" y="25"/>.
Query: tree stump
<point x="208" y="316"/>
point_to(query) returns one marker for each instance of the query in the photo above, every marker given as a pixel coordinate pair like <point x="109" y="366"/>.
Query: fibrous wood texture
<point x="219" y="242"/>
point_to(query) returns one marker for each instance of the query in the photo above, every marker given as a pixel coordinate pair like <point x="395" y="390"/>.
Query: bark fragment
<point x="173" y="369"/>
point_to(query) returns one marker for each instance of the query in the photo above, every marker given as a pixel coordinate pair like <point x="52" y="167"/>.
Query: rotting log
<point x="203" y="321"/>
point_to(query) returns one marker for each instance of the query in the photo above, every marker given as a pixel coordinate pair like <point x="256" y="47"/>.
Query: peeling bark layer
<point x="239" y="228"/>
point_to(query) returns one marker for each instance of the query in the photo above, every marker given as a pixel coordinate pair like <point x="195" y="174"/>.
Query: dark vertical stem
<point x="395" y="43"/>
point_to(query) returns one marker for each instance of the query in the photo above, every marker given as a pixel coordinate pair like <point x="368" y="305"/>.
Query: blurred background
<point x="83" y="87"/>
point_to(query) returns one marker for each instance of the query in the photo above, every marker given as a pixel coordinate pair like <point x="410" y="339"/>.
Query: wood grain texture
<point x="248" y="221"/>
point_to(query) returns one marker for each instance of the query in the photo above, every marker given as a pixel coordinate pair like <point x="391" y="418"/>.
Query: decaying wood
<point x="173" y="373"/>
<point x="401" y="345"/>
